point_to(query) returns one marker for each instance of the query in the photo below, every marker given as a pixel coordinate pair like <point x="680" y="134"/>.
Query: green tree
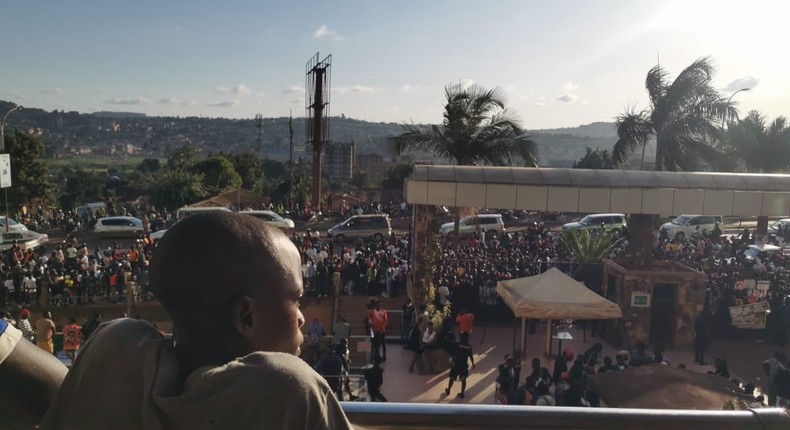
<point x="395" y="175"/>
<point x="588" y="249"/>
<point x="81" y="186"/>
<point x="683" y="117"/>
<point x="275" y="170"/>
<point x="218" y="173"/>
<point x="29" y="174"/>
<point x="761" y="146"/>
<point x="250" y="169"/>
<point x="360" y="180"/>
<point x="183" y="157"/>
<point x="595" y="159"/>
<point x="149" y="165"/>
<point x="176" y="188"/>
<point x="476" y="128"/>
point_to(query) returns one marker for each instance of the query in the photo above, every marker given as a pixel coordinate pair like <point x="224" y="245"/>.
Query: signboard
<point x="751" y="316"/>
<point x="640" y="300"/>
<point x="5" y="170"/>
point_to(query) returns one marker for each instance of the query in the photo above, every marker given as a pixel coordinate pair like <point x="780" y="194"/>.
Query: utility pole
<point x="291" y="160"/>
<point x="259" y="125"/>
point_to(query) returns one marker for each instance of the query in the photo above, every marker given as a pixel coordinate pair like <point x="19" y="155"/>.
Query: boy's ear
<point x="243" y="316"/>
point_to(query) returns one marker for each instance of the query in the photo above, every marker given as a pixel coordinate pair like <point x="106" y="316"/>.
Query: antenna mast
<point x="317" y="85"/>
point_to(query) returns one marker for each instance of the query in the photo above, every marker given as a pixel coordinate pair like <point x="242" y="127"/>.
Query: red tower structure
<point x="318" y="79"/>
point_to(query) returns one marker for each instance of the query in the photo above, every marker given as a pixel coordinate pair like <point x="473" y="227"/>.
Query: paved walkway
<point x="401" y="386"/>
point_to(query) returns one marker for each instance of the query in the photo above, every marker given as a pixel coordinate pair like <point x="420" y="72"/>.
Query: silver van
<point x="376" y="226"/>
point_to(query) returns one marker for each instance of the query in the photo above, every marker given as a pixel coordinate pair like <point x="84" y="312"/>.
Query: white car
<point x="26" y="239"/>
<point x="119" y="226"/>
<point x="12" y="225"/>
<point x="271" y="218"/>
<point x="784" y="223"/>
<point x="686" y="225"/>
<point x="468" y="225"/>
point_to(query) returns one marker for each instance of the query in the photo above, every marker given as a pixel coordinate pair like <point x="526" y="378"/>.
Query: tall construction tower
<point x="259" y="126"/>
<point x="317" y="82"/>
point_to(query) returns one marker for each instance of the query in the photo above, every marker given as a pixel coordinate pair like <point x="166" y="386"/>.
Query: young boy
<point x="232" y="286"/>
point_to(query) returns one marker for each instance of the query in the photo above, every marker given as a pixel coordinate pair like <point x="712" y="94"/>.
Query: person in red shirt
<point x="378" y="323"/>
<point x="71" y="339"/>
<point x="465" y="321"/>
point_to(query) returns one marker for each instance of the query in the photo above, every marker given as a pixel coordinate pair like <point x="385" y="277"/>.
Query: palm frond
<point x="633" y="131"/>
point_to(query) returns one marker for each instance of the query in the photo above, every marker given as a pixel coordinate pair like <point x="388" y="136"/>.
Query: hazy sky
<point x="562" y="63"/>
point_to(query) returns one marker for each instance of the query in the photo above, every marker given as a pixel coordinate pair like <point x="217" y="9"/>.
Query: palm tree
<point x="477" y="128"/>
<point x="683" y="117"/>
<point x="588" y="249"/>
<point x="761" y="146"/>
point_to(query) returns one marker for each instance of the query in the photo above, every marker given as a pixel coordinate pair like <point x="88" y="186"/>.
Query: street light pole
<point x="2" y="151"/>
<point x="724" y="117"/>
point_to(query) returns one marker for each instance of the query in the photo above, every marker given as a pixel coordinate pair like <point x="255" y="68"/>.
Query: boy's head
<point x="231" y="283"/>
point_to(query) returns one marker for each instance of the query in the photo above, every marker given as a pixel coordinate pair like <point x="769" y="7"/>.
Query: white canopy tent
<point x="554" y="295"/>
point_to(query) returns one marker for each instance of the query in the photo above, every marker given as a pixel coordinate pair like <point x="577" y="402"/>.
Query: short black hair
<point x="207" y="260"/>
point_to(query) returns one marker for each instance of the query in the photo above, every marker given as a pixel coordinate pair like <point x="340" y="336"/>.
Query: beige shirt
<point x="125" y="378"/>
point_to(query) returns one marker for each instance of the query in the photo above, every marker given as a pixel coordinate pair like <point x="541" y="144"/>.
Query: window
<point x="112" y="222"/>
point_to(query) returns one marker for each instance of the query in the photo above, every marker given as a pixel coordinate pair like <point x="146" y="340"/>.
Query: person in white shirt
<point x="427" y="340"/>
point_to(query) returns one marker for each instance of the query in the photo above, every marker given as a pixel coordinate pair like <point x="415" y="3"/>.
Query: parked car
<point x="784" y="223"/>
<point x="753" y="251"/>
<point x="686" y="225"/>
<point x="470" y="224"/>
<point x="375" y="225"/>
<point x="610" y="222"/>
<point x="271" y="218"/>
<point x="118" y="226"/>
<point x="25" y="238"/>
<point x="12" y="225"/>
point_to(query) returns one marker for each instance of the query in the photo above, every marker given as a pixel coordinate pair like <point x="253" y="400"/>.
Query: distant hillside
<point x="117" y="133"/>
<point x="595" y="130"/>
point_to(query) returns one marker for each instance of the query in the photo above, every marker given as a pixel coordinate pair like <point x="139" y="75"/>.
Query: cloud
<point x="324" y="31"/>
<point x="240" y="89"/>
<point x="260" y="94"/>
<point x="744" y="82"/>
<point x="55" y="91"/>
<point x="409" y="87"/>
<point x="568" y="92"/>
<point x="128" y="101"/>
<point x="293" y="89"/>
<point x="567" y="97"/>
<point x="365" y="89"/>
<point x="540" y="104"/>
<point x="175" y="101"/>
<point x="569" y="87"/>
<point x="223" y="103"/>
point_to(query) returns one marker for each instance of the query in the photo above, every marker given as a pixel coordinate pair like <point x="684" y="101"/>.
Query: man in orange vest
<point x="71" y="339"/>
<point x="378" y="323"/>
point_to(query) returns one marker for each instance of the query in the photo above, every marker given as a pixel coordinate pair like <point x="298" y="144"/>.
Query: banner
<point x="749" y="316"/>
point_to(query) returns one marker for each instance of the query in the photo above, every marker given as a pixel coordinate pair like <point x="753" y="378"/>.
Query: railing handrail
<point x="448" y="416"/>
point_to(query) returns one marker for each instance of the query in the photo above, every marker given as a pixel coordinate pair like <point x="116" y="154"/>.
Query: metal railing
<point x="455" y="417"/>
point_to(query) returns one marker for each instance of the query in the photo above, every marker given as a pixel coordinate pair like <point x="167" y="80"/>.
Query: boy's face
<point x="279" y="304"/>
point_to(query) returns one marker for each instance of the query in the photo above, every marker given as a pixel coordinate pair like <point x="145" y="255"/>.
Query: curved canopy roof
<point x="587" y="190"/>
